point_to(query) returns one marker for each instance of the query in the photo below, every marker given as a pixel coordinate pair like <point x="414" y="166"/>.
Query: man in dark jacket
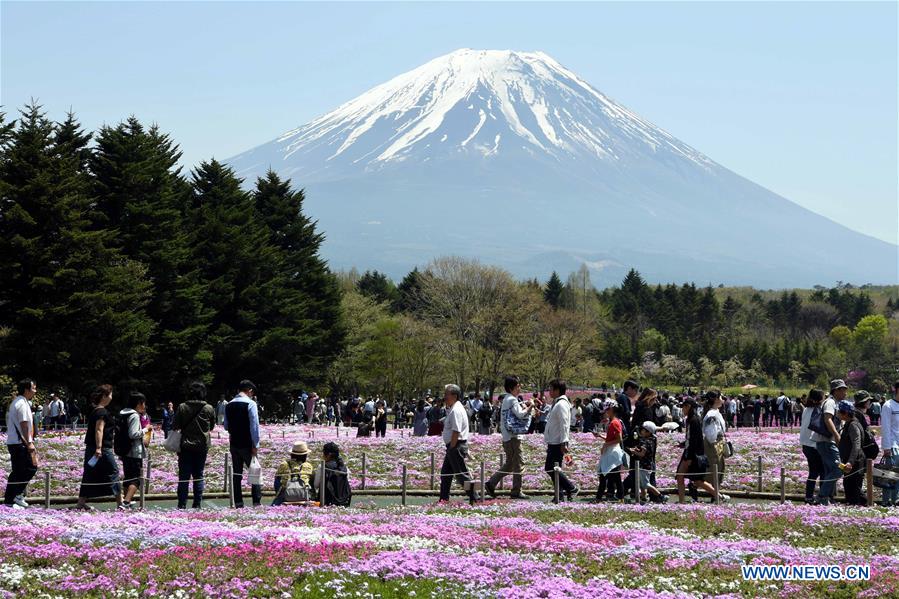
<point x="194" y="418"/>
<point x="242" y="424"/>
<point x="626" y="401"/>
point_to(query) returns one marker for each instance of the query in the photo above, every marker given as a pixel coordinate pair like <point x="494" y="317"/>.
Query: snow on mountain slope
<point x="452" y="156"/>
<point x="481" y="102"/>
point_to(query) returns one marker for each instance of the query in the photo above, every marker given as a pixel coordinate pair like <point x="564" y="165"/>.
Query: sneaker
<point x="723" y="498"/>
<point x="573" y="493"/>
<point x="126" y="506"/>
<point x="490" y="489"/>
<point x="20" y="501"/>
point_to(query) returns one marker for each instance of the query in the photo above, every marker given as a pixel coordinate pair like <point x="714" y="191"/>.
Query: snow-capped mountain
<point x="511" y="157"/>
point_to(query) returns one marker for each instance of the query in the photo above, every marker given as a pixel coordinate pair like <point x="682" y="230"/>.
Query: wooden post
<point x="432" y="470"/>
<point x="227" y="478"/>
<point x="321" y="486"/>
<point x="869" y="481"/>
<point x="783" y="485"/>
<point x="556" y="489"/>
<point x="636" y="481"/>
<point x="760" y="474"/>
<point x="149" y="471"/>
<point x="502" y="457"/>
<point x="47" y="489"/>
<point x="362" y="486"/>
<point x="482" y="480"/>
<point x="230" y="476"/>
<point x="715" y="482"/>
<point x="403" y="488"/>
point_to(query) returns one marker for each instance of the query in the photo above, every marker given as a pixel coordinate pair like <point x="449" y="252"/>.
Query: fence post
<point x="715" y="482"/>
<point x="403" y="492"/>
<point x="227" y="479"/>
<point x="432" y="470"/>
<point x="760" y="474"/>
<point x="636" y="481"/>
<point x="502" y="479"/>
<point x="362" y="486"/>
<point x="556" y="470"/>
<point x="482" y="480"/>
<point x="149" y="470"/>
<point x="229" y="474"/>
<point x="321" y="485"/>
<point x="869" y="481"/>
<point x="783" y="485"/>
<point x="47" y="489"/>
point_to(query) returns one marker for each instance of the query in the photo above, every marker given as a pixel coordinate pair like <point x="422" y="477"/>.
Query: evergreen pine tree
<point x="378" y="287"/>
<point x="139" y="195"/>
<point x="303" y="331"/>
<point x="552" y="293"/>
<point x="74" y="307"/>
<point x="409" y="292"/>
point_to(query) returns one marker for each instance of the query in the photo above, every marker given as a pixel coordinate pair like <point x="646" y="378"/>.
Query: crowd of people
<point x="833" y="431"/>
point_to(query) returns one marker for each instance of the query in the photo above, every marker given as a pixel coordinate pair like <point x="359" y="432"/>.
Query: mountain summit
<point x="511" y="157"/>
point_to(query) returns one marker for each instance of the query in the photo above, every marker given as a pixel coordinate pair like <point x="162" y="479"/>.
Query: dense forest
<point x="118" y="267"/>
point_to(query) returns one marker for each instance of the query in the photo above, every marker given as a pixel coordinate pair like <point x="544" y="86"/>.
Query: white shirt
<point x="456" y="420"/>
<point x="828" y="407"/>
<point x="889" y="425"/>
<point x="805" y="433"/>
<point x="19" y="412"/>
<point x="510" y="403"/>
<point x="56" y="408"/>
<point x="369" y="406"/>
<point x="558" y="422"/>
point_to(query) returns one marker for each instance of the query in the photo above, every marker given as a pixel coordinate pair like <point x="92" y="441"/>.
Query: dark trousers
<point x="381" y="428"/>
<point x="454" y="467"/>
<point x="101" y="479"/>
<point x="554" y="458"/>
<point x="241" y="458"/>
<point x="20" y="474"/>
<point x="131" y="471"/>
<point x="815" y="470"/>
<point x="615" y="488"/>
<point x="852" y="485"/>
<point x="190" y="466"/>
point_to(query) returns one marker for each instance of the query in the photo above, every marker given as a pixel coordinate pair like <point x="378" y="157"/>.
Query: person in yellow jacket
<point x="295" y="466"/>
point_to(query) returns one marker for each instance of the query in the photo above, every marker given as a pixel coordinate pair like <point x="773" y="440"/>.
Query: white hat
<point x="650" y="426"/>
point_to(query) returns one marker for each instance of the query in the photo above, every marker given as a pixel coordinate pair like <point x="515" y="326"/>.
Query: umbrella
<point x="749" y="386"/>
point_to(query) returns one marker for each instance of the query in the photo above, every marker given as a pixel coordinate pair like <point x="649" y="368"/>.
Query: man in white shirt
<point x="20" y="444"/>
<point x="455" y="436"/>
<point x="827" y="445"/>
<point x="57" y="412"/>
<point x="889" y="441"/>
<point x="511" y="443"/>
<point x="556" y="435"/>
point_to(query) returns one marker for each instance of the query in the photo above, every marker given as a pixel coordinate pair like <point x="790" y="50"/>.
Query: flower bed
<point x="62" y="455"/>
<point x="500" y="549"/>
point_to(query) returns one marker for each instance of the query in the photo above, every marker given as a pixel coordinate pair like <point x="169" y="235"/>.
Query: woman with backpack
<point x="337" y="478"/>
<point x="852" y="459"/>
<point x="293" y="480"/>
<point x="809" y="448"/>
<point x="194" y="418"/>
<point x="130" y="440"/>
<point x="693" y="463"/>
<point x="101" y="471"/>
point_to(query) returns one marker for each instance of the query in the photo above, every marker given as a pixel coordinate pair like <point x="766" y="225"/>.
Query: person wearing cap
<point x="242" y="424"/>
<point x="852" y="458"/>
<point x="827" y="444"/>
<point x="645" y="452"/>
<point x="295" y="465"/>
<point x="889" y="442"/>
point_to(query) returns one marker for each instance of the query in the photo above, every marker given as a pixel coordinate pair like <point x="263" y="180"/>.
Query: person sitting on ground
<point x="293" y="479"/>
<point x="645" y="452"/>
<point x="337" y="478"/>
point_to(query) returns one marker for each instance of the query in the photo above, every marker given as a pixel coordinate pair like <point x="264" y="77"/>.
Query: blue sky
<point x="798" y="97"/>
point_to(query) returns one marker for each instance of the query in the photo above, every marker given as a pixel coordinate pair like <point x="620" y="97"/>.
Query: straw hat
<point x="300" y="448"/>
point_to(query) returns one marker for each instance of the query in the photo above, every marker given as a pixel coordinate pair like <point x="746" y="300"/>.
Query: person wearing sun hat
<point x="295" y="465"/>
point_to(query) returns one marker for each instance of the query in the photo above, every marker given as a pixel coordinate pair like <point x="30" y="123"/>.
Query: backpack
<point x="296" y="490"/>
<point x="516" y="425"/>
<point x="816" y="422"/>
<point x="869" y="444"/>
<point x="485" y="413"/>
<point x="121" y="441"/>
<point x="337" y="486"/>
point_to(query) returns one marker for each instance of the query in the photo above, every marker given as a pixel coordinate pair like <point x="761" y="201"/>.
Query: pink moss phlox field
<point x="498" y="549"/>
